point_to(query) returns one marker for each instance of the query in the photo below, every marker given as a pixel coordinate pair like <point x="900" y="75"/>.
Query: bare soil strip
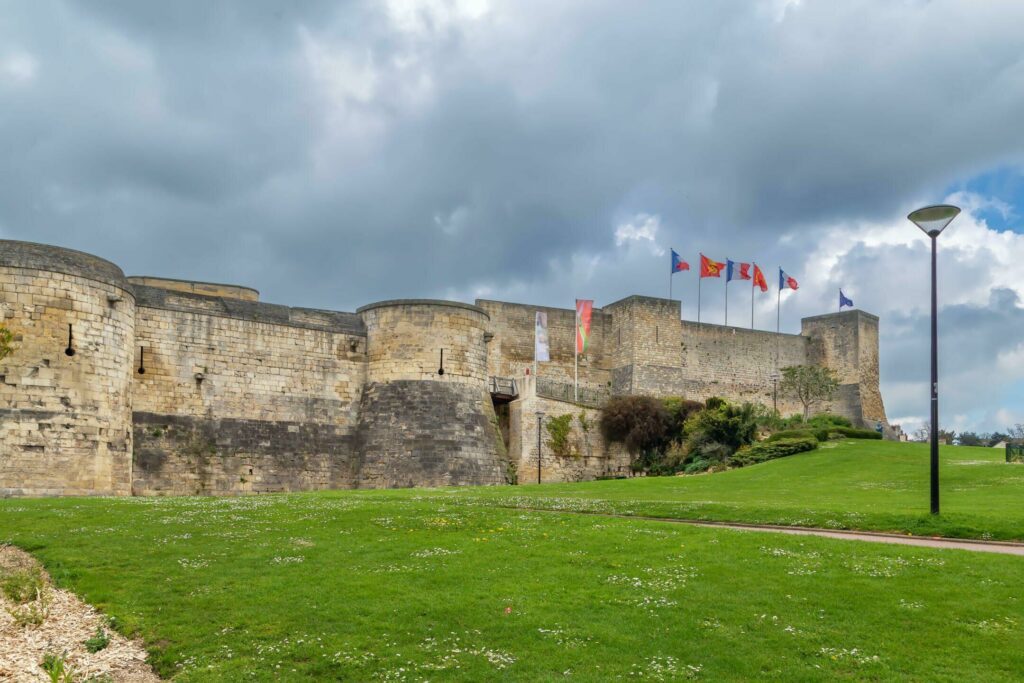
<point x="64" y="624"/>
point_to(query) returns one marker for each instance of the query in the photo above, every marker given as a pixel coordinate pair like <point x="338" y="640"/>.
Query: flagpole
<point x="576" y="356"/>
<point x="535" y="350"/>
<point x="671" y="270"/>
<point x="700" y="276"/>
<point x="727" y="292"/>
<point x="778" y="320"/>
<point x="752" y="298"/>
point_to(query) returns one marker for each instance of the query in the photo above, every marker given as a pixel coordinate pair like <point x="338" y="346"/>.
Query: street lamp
<point x="540" y="419"/>
<point x="933" y="220"/>
<point x="775" y="391"/>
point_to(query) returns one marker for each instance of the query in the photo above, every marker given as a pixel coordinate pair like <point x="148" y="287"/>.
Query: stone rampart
<point x="190" y="287"/>
<point x="65" y="405"/>
<point x="427" y="419"/>
<point x="240" y="396"/>
<point x="178" y="387"/>
<point x="847" y="342"/>
<point x="591" y="457"/>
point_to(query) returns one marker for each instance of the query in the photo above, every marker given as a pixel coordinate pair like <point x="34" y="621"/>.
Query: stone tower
<point x="65" y="392"/>
<point x="426" y="417"/>
<point x="847" y="343"/>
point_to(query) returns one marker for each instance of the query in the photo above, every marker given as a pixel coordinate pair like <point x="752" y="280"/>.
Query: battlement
<point x="202" y="288"/>
<point x="47" y="258"/>
<point x="152" y="385"/>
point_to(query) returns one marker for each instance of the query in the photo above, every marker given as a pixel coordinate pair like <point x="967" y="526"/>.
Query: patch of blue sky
<point x="1004" y="188"/>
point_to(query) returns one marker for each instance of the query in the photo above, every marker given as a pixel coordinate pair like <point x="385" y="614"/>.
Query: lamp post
<point x="775" y="391"/>
<point x="933" y="220"/>
<point x="540" y="420"/>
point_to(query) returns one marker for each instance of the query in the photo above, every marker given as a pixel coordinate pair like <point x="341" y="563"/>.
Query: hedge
<point x="855" y="433"/>
<point x="769" y="450"/>
<point x="819" y="434"/>
<point x="834" y="432"/>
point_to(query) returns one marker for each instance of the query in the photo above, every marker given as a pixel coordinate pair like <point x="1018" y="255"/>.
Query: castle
<point x="147" y="386"/>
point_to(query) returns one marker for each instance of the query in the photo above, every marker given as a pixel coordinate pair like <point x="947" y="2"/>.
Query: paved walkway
<point x="1001" y="547"/>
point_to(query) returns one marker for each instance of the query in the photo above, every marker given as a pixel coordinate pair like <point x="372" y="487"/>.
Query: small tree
<point x="809" y="384"/>
<point x="1016" y="432"/>
<point x="639" y="422"/>
<point x="6" y="337"/>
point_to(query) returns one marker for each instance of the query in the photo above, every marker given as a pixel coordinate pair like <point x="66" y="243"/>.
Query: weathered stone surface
<point x="65" y="421"/>
<point x="186" y="455"/>
<point x="240" y="396"/>
<point x="427" y="433"/>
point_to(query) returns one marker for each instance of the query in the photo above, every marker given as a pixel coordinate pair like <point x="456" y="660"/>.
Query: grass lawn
<point x="850" y="484"/>
<point x="452" y="585"/>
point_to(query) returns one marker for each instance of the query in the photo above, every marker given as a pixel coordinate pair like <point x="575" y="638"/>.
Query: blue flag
<point x="843" y="301"/>
<point x="678" y="264"/>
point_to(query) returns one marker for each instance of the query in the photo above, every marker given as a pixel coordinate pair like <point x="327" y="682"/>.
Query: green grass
<point x="452" y="585"/>
<point x="872" y="485"/>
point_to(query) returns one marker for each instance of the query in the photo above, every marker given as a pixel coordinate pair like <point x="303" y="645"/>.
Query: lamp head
<point x="933" y="219"/>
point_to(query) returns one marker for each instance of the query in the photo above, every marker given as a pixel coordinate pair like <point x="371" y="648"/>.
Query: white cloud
<point x="641" y="228"/>
<point x="18" y="67"/>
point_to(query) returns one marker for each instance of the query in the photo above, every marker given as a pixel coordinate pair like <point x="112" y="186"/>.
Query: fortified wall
<point x="143" y="385"/>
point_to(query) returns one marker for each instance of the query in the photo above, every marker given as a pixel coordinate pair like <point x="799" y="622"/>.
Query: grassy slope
<point x="851" y="484"/>
<point x="403" y="586"/>
<point x="414" y="585"/>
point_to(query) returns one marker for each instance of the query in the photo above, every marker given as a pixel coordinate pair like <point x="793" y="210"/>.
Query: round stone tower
<point x="426" y="417"/>
<point x="65" y="389"/>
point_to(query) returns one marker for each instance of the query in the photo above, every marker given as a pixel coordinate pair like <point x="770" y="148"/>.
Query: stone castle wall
<point x="65" y="420"/>
<point x="640" y="346"/>
<point x="425" y="419"/>
<point x="240" y="396"/>
<point x="847" y="342"/>
<point x="592" y="456"/>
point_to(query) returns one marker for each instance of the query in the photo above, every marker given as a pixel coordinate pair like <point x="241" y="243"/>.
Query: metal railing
<point x="563" y="391"/>
<point x="504" y="386"/>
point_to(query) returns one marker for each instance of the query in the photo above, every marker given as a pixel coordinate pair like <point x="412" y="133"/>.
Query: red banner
<point x="584" y="312"/>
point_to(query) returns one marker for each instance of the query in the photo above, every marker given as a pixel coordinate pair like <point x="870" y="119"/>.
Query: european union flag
<point x="843" y="301"/>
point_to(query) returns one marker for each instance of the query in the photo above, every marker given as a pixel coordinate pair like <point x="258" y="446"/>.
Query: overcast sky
<point x="332" y="154"/>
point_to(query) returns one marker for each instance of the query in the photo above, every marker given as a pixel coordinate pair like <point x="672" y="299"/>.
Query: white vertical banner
<point x="541" y="350"/>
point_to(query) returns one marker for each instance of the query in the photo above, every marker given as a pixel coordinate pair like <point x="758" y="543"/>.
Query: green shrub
<point x="560" y="435"/>
<point x="829" y="420"/>
<point x="715" y="402"/>
<point x="98" y="642"/>
<point x="57" y="668"/>
<point x="792" y="434"/>
<point x="717" y="432"/>
<point x="855" y="433"/>
<point x="764" y="451"/>
<point x="23" y="586"/>
<point x="679" y="410"/>
<point x="697" y="466"/>
<point x="641" y="423"/>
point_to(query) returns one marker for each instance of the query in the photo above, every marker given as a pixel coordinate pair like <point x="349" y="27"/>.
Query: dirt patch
<point x="38" y="621"/>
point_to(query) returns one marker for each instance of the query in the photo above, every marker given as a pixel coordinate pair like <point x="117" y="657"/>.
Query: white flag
<point x="541" y="351"/>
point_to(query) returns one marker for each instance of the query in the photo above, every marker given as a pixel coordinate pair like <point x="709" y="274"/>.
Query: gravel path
<point x="1001" y="547"/>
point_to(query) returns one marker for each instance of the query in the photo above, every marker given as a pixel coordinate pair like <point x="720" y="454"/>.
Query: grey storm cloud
<point x="198" y="139"/>
<point x="331" y="154"/>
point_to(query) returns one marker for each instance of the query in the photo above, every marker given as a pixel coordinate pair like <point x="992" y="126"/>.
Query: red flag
<point x="759" y="280"/>
<point x="584" y="312"/>
<point x="709" y="268"/>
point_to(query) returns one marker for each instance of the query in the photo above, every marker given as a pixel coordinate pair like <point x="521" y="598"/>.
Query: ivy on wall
<point x="560" y="439"/>
<point x="6" y="337"/>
